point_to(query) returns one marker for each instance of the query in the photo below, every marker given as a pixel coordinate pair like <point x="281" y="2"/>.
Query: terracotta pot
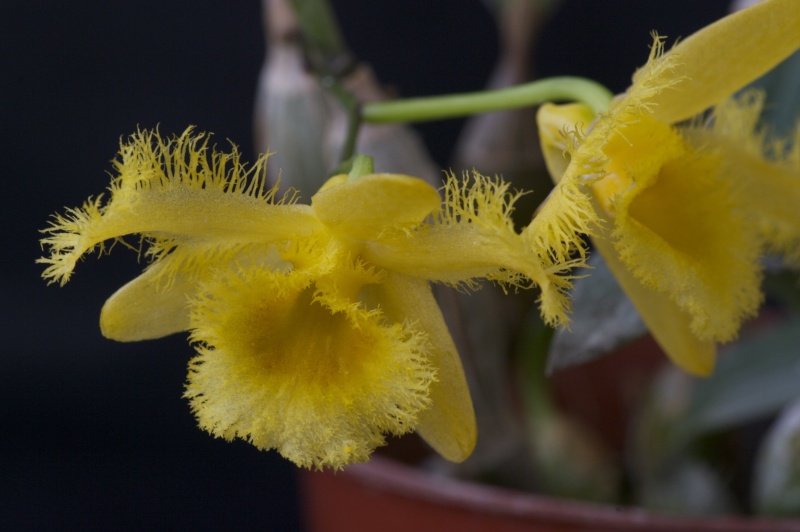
<point x="386" y="495"/>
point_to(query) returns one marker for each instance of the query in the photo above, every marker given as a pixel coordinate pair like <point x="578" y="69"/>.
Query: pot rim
<point x="387" y="475"/>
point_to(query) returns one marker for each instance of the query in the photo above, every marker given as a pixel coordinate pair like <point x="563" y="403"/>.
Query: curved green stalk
<point x="362" y="165"/>
<point x="533" y="346"/>
<point x="424" y="109"/>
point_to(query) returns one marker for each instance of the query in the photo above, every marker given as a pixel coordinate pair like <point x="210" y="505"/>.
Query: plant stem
<point x="329" y="57"/>
<point x="362" y="165"/>
<point x="353" y="111"/>
<point x="423" y="109"/>
<point x="325" y="46"/>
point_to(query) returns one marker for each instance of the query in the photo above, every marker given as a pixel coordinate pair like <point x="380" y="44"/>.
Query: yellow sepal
<point x="363" y="208"/>
<point x="449" y="424"/>
<point x="716" y="61"/>
<point x="148" y="307"/>
<point x="668" y="324"/>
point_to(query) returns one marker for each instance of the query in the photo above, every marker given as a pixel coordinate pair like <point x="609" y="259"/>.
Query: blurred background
<point x="95" y="434"/>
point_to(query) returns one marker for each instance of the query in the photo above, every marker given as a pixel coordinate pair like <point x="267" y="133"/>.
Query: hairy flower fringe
<point x="360" y="379"/>
<point x="558" y="232"/>
<point x="480" y="200"/>
<point x="488" y="203"/>
<point x="553" y="240"/>
<point x="763" y="170"/>
<point x="148" y="169"/>
<point x="559" y="224"/>
<point x="651" y="79"/>
<point x="656" y="75"/>
<point x="149" y="162"/>
<point x="67" y="241"/>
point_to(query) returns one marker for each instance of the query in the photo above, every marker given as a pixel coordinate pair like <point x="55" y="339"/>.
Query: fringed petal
<point x="174" y="192"/>
<point x="454" y="255"/>
<point x="558" y="229"/>
<point x="474" y="238"/>
<point x="286" y="366"/>
<point x="449" y="424"/>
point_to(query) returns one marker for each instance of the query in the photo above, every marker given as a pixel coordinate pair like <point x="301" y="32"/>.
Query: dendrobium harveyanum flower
<point x="683" y="209"/>
<point x="316" y="329"/>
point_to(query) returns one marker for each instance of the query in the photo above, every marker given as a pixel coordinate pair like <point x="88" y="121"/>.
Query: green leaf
<point x="755" y="377"/>
<point x="603" y="319"/>
<point x="783" y="106"/>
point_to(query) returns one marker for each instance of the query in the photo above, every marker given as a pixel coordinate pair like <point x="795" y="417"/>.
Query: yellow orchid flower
<point x="316" y="329"/>
<point x="671" y="223"/>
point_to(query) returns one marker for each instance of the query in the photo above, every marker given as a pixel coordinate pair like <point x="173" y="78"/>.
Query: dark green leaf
<point x="755" y="377"/>
<point x="603" y="319"/>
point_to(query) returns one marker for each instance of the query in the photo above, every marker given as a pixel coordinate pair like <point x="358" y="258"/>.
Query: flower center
<point x="636" y="150"/>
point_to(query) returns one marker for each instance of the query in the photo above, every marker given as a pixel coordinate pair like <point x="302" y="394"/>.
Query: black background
<point x="95" y="434"/>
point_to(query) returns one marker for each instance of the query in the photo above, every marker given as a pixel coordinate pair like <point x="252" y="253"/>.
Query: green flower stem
<point x="424" y="109"/>
<point x="533" y="346"/>
<point x="353" y="111"/>
<point x="362" y="165"/>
